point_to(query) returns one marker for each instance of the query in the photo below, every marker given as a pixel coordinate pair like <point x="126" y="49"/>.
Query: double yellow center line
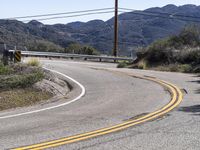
<point x="176" y="98"/>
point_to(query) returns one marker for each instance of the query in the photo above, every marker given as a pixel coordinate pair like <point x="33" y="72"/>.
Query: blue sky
<point x="13" y="8"/>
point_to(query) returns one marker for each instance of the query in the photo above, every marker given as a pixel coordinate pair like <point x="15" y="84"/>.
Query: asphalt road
<point x="110" y="99"/>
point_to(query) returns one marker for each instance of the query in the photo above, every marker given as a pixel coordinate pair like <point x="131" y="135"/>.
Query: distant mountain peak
<point x="170" y="6"/>
<point x="189" y="5"/>
<point x="36" y="23"/>
<point x="96" y="21"/>
<point x="75" y="24"/>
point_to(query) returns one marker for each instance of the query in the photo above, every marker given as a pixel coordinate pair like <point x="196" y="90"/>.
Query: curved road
<point x="110" y="99"/>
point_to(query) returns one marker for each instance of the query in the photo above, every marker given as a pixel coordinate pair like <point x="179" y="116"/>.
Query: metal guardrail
<point x="67" y="55"/>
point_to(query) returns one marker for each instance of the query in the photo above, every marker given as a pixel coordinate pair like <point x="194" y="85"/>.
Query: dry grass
<point x="184" y="68"/>
<point x="34" y="62"/>
<point x="142" y="64"/>
<point x="21" y="97"/>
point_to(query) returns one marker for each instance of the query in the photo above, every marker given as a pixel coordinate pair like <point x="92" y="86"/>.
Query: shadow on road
<point x="191" y="109"/>
<point x="198" y="82"/>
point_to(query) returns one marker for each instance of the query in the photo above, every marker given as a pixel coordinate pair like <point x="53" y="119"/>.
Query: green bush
<point x="20" y="81"/>
<point x="189" y="36"/>
<point x="81" y="49"/>
<point x="158" y="56"/>
<point x="157" y="53"/>
<point x="89" y="50"/>
<point x="186" y="68"/>
<point x="189" y="56"/>
<point x="122" y="64"/>
<point x="175" y="53"/>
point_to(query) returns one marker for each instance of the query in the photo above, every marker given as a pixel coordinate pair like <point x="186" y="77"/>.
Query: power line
<point x="85" y="14"/>
<point x="151" y="14"/>
<point x="98" y="11"/>
<point x="57" y="14"/>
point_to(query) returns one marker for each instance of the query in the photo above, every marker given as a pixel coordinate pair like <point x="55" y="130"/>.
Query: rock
<point x="54" y="88"/>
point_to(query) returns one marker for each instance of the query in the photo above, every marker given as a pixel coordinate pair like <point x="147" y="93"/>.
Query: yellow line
<point x="176" y="99"/>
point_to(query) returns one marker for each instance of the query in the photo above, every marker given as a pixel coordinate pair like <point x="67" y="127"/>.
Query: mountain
<point x="137" y="28"/>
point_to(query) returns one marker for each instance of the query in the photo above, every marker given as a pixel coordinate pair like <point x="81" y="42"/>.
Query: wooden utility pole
<point x="115" y="48"/>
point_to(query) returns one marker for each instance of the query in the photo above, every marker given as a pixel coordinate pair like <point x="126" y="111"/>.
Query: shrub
<point x="176" y="53"/>
<point x="189" y="56"/>
<point x="5" y="70"/>
<point x="122" y="64"/>
<point x="186" y="68"/>
<point x="81" y="49"/>
<point x="190" y="35"/>
<point x="20" y="81"/>
<point x="159" y="56"/>
<point x="89" y="50"/>
<point x="157" y="53"/>
<point x="33" y="62"/>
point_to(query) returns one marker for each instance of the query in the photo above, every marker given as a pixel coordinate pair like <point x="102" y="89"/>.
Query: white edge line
<point x="53" y="107"/>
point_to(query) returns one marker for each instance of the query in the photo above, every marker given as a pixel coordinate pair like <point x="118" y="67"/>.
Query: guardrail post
<point x="5" y="57"/>
<point x="11" y="56"/>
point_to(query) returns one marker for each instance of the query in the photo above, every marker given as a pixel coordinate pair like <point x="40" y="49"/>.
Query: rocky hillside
<point x="134" y="30"/>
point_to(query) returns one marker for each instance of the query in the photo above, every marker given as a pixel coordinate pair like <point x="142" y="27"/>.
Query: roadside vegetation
<point x="74" y="48"/>
<point x="33" y="62"/>
<point x="179" y="53"/>
<point x="16" y="88"/>
<point x="81" y="49"/>
<point x="123" y="64"/>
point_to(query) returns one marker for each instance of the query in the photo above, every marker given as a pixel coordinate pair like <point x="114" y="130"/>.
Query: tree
<point x="73" y="48"/>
